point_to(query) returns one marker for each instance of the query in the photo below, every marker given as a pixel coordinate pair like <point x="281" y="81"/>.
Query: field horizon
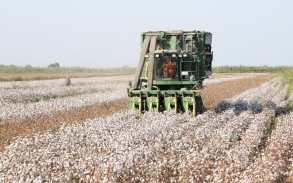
<point x="25" y="73"/>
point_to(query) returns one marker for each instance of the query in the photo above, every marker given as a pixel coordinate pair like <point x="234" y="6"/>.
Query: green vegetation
<point x="250" y="69"/>
<point x="18" y="73"/>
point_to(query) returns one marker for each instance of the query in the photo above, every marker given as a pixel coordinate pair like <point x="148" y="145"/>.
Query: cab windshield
<point x="167" y="67"/>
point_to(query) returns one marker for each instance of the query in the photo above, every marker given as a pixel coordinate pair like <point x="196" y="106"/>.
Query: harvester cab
<point x="170" y="72"/>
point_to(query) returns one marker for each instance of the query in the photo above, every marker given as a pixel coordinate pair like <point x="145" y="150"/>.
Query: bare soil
<point x="213" y="94"/>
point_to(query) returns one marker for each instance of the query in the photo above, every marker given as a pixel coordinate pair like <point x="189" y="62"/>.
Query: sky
<point x="95" y="33"/>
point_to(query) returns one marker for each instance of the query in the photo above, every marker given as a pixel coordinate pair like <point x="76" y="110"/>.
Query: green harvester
<point x="171" y="70"/>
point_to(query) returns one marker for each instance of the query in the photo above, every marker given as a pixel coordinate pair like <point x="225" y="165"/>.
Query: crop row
<point x="34" y="91"/>
<point x="32" y="98"/>
<point x="239" y="157"/>
<point x="158" y="147"/>
<point x="275" y="163"/>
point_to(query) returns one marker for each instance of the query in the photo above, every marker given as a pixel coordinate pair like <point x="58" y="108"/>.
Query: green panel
<point x="176" y="44"/>
<point x="134" y="102"/>
<point x="170" y="102"/>
<point x="153" y="103"/>
<point x="167" y="82"/>
<point x="189" y="82"/>
<point x="188" y="104"/>
<point x="144" y="74"/>
<point x="201" y="54"/>
<point x="172" y="82"/>
<point x="138" y="93"/>
<point x="173" y="43"/>
<point x="146" y="100"/>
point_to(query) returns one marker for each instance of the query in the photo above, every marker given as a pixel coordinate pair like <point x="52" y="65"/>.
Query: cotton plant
<point x="31" y="98"/>
<point x="214" y="146"/>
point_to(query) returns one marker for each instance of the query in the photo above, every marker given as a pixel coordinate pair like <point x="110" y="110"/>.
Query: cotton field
<point x="246" y="138"/>
<point x="24" y="99"/>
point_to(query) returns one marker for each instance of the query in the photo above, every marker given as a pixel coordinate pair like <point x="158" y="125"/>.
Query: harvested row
<point x="160" y="147"/>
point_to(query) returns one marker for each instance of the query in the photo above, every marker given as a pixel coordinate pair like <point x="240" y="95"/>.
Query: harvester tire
<point x="199" y="106"/>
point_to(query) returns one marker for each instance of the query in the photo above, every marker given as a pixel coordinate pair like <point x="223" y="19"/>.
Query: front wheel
<point x="199" y="106"/>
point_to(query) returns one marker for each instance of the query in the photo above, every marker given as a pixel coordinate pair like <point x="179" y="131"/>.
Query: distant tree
<point x="28" y="66"/>
<point x="54" y="65"/>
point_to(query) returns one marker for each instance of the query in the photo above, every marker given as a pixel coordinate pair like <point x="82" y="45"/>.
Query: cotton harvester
<point x="170" y="72"/>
